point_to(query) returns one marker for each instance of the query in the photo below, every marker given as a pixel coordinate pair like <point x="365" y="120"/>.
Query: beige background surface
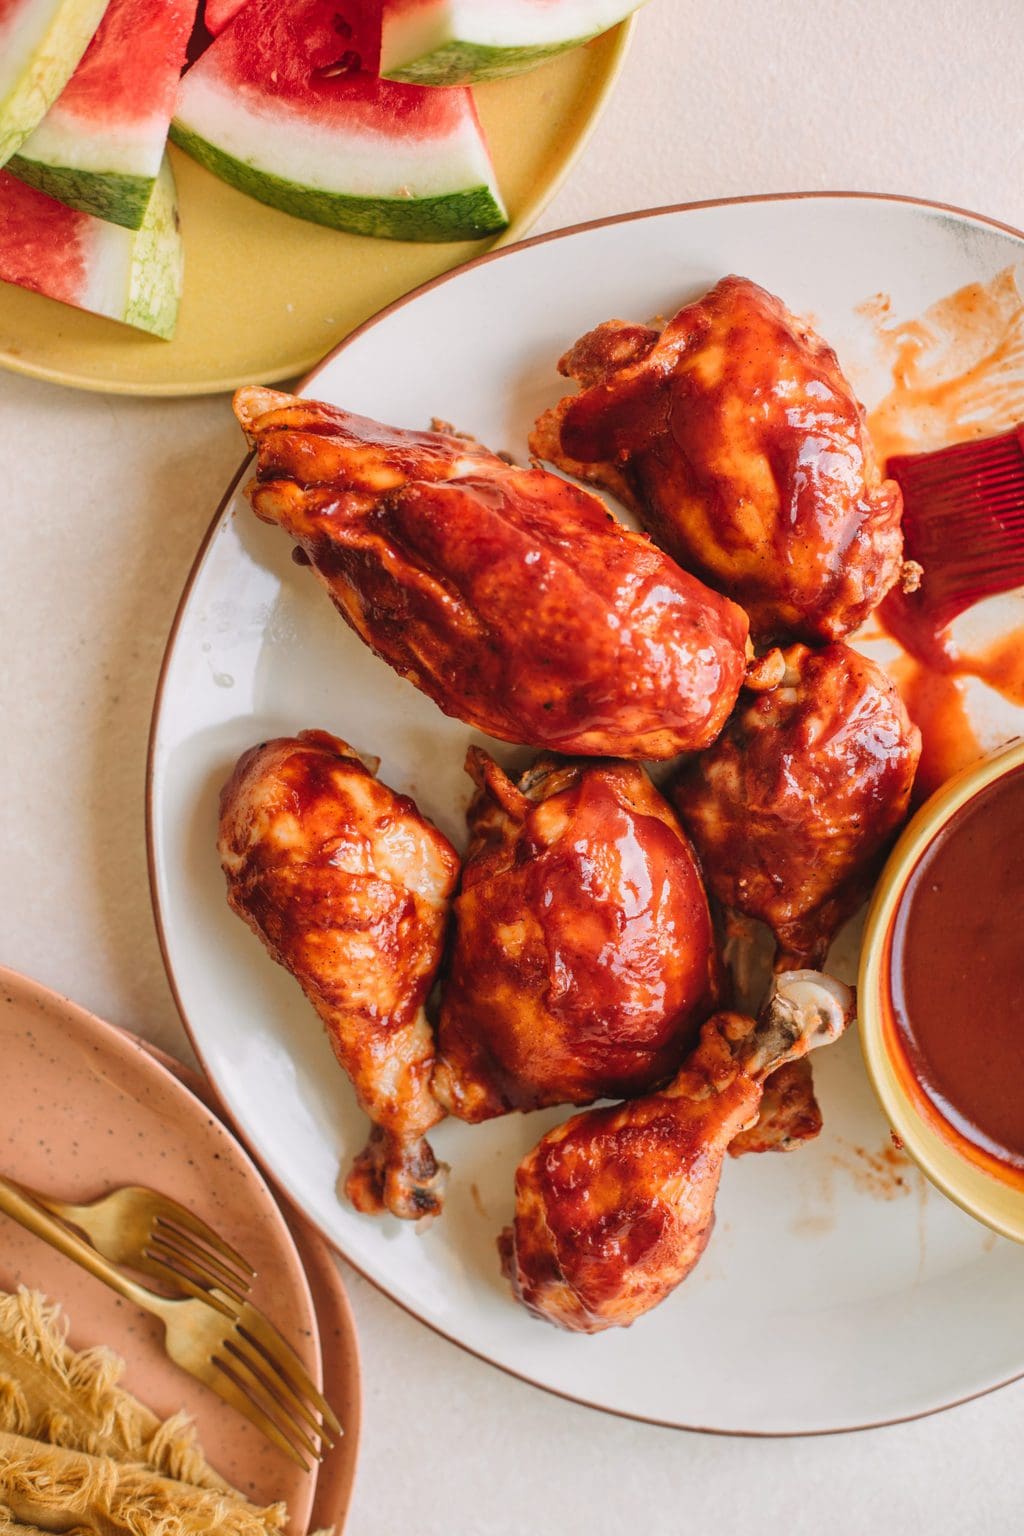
<point x="104" y="503"/>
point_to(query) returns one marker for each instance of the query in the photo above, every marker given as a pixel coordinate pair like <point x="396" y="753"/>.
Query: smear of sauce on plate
<point x="957" y="374"/>
<point x="957" y="371"/>
<point x="887" y="1174"/>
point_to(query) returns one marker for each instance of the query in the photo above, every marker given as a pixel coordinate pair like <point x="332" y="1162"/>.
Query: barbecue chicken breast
<point x="514" y="599"/>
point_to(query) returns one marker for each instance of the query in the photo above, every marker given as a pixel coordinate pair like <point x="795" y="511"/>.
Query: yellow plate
<point x="267" y="295"/>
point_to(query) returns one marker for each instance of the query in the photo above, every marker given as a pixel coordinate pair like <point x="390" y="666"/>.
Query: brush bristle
<point x="963" y="520"/>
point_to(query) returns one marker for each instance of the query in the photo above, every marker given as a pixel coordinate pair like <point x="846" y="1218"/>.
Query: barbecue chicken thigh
<point x="734" y="437"/>
<point x="614" y="1208"/>
<point x="514" y="599"/>
<point x="793" y="809"/>
<point x="348" y="887"/>
<point x="582" y="961"/>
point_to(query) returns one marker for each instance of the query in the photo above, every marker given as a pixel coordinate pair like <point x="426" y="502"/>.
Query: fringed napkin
<point x="79" y="1454"/>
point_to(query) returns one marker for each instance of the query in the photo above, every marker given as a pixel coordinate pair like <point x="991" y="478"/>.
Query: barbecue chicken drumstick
<point x="793" y="809"/>
<point x="737" y="441"/>
<point x="514" y="599"/>
<point x="614" y="1208"/>
<point x="583" y="960"/>
<point x="348" y="887"/>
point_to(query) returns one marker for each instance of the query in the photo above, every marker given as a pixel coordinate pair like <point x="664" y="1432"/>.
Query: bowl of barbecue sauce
<point x="942" y="990"/>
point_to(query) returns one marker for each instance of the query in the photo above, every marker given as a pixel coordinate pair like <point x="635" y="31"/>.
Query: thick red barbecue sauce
<point x="957" y="972"/>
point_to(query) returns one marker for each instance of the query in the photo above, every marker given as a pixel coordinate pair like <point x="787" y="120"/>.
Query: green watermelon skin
<point x="116" y="198"/>
<point x="100" y="147"/>
<point x="279" y="108"/>
<point x="447" y="43"/>
<point x="462" y="63"/>
<point x="41" y="43"/>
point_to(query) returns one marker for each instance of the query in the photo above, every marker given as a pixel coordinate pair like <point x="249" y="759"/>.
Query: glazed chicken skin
<point x="794" y="808"/>
<point x="512" y="598"/>
<point x="614" y="1208"/>
<point x="348" y="887"/>
<point x="582" y="961"/>
<point x="734" y="437"/>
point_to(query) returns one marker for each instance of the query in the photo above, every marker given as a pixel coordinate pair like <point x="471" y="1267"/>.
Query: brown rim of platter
<point x="302" y="388"/>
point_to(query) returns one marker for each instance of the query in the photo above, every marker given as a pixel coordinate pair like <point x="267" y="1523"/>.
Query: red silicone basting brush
<point x="963" y="521"/>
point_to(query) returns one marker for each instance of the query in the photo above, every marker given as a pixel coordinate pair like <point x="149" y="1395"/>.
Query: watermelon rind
<point x="158" y="262"/>
<point x="458" y="62"/>
<point x="467" y="214"/>
<point x="460" y="42"/>
<point x="41" y="43"/>
<point x="110" y="195"/>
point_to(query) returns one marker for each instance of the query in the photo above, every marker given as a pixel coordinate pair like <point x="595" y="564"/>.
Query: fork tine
<point x="262" y="1386"/>
<point x="283" y="1357"/>
<point x="257" y="1357"/>
<point x="220" y="1380"/>
<point x="268" y="1352"/>
<point x="239" y="1274"/>
<point x="202" y="1265"/>
<point x="182" y="1282"/>
<point x="178" y="1215"/>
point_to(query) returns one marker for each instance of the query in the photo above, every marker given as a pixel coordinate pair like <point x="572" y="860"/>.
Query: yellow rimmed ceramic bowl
<point x="988" y="1190"/>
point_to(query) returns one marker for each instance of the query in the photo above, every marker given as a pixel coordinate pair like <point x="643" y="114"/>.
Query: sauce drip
<point x="957" y="973"/>
<point x="930" y="676"/>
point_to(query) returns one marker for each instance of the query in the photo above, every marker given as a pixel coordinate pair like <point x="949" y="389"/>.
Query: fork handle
<point x="66" y="1213"/>
<point x="34" y="1219"/>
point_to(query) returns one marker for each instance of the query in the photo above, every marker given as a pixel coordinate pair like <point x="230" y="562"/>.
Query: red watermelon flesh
<point x="218" y="13"/>
<point x="44" y="246"/>
<point x="129" y="72"/>
<point x="302" y="54"/>
<point x="356" y="22"/>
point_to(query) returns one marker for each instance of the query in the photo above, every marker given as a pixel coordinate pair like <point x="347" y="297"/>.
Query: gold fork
<point x="226" y="1344"/>
<point x="155" y="1235"/>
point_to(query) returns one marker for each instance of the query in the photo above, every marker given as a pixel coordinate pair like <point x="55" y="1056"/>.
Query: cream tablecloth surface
<point x="104" y="501"/>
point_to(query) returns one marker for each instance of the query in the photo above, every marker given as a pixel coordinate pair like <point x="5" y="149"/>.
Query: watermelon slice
<point x="133" y="276"/>
<point x="41" y="41"/>
<point x="458" y="42"/>
<point x="278" y="107"/>
<point x="99" y="147"/>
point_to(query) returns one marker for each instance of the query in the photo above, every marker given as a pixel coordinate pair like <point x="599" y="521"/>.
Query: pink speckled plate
<point x="338" y="1343"/>
<point x="87" y="1107"/>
